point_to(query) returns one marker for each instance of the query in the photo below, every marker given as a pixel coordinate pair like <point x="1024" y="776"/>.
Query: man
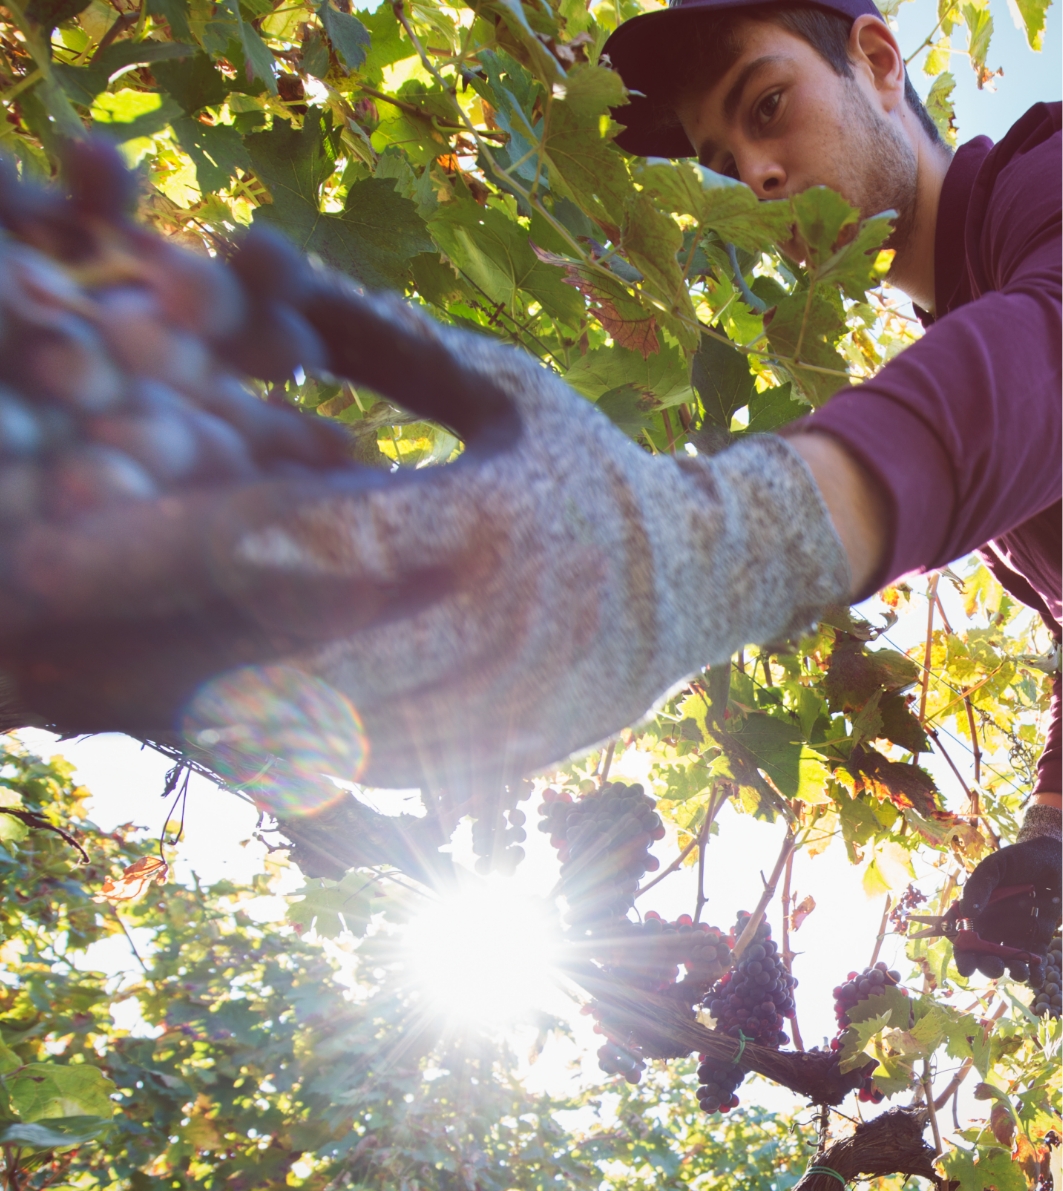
<point x="941" y="453"/>
<point x="489" y="618"/>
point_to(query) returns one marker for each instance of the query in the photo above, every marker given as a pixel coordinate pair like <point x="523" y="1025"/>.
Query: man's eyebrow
<point x="734" y="96"/>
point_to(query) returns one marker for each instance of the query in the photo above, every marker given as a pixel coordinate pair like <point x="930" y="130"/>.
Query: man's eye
<point x="767" y="107"/>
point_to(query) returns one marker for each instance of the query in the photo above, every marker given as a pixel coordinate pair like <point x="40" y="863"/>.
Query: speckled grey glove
<point x="583" y="577"/>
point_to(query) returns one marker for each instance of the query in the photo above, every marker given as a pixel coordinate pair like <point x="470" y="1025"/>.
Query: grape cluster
<point x="752" y="1002"/>
<point x="120" y="375"/>
<point x="498" y="829"/>
<point x="616" y="1059"/>
<point x="602" y="839"/>
<point x="1047" y="1000"/>
<point x="649" y="954"/>
<point x="858" y="987"/>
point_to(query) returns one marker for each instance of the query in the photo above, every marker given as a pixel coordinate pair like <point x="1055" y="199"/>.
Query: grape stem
<point x="750" y="929"/>
<point x="788" y="901"/>
<point x="881" y="931"/>
<point x="954" y="1083"/>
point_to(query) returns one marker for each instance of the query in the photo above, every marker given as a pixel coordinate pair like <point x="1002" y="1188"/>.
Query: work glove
<point x="576" y="577"/>
<point x="472" y="622"/>
<point x="1027" y="919"/>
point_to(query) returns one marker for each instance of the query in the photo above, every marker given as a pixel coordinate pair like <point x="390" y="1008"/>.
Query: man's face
<point x="781" y="120"/>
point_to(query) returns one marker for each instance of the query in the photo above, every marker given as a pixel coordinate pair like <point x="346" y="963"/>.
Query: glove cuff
<point x="1041" y="821"/>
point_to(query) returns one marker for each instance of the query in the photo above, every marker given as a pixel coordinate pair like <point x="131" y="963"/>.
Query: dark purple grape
<point x="90" y="477"/>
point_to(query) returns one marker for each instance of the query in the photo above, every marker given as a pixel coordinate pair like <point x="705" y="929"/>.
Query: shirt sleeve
<point x="962" y="429"/>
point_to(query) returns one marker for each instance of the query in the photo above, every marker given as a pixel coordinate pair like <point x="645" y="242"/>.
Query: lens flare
<point x="280" y="734"/>
<point x="485" y="954"/>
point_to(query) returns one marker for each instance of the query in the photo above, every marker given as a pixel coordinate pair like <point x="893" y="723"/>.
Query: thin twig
<point x="34" y="820"/>
<point x="703" y="836"/>
<point x="755" y="919"/>
<point x="710" y="814"/>
<point x="788" y="899"/>
<point x="881" y="932"/>
<point x="976" y="748"/>
<point x="607" y="761"/>
<point x="928" y="1085"/>
<point x="954" y="1083"/>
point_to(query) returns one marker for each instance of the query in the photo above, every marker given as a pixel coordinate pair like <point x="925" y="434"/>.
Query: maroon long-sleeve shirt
<point x="962" y="430"/>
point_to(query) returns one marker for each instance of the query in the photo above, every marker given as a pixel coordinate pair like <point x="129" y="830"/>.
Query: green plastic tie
<point x="742" y="1046"/>
<point x="827" y="1170"/>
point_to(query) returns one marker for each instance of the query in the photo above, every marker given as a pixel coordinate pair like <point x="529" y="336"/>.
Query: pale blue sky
<point x="1027" y="78"/>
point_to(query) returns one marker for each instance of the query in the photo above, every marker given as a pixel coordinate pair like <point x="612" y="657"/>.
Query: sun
<point x="486" y="954"/>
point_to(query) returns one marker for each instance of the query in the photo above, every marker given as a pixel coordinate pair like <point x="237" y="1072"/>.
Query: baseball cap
<point x="644" y="50"/>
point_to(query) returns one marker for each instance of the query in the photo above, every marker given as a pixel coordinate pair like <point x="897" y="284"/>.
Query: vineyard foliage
<point x="462" y="155"/>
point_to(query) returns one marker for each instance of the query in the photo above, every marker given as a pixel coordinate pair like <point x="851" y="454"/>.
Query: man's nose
<point x="764" y="174"/>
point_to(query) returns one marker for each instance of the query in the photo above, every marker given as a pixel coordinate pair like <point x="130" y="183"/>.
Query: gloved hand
<point x="577" y="577"/>
<point x="1027" y="920"/>
<point x="484" y="619"/>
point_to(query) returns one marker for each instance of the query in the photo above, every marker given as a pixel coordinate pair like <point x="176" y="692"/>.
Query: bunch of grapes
<point x="616" y="1059"/>
<point x="602" y="839"/>
<point x="649" y="954"/>
<point x="498" y="829"/>
<point x="120" y="376"/>
<point x="858" y="987"/>
<point x="752" y="1002"/>
<point x="1047" y="1001"/>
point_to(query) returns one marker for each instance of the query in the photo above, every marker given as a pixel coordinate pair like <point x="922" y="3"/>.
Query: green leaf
<point x="821" y="214"/>
<point x="775" y="746"/>
<point x="175" y="14"/>
<point x="375" y="235"/>
<point x="585" y="166"/>
<point x="993" y="1168"/>
<point x="350" y="38"/>
<point x="900" y="724"/>
<point x="194" y="82"/>
<point x="651" y="241"/>
<point x="45" y="1090"/>
<point x="83" y="83"/>
<point x="495" y="254"/>
<point x="332" y="907"/>
<point x="9" y="1061"/>
<point x="1033" y="15"/>
<point x="127" y="114"/>
<point x="774" y="408"/>
<point x="853" y="266"/>
<point x="217" y="151"/>
<point x="720" y="374"/>
<point x="12" y="830"/>
<point x="805" y="329"/>
<point x="315" y="56"/>
<point x="856" y="1038"/>
<point x="662" y="374"/>
<point x="979" y="23"/>
<point x="941" y="108"/>
<point x="49" y="13"/>
<point x="629" y="408"/>
<point x="53" y="1134"/>
<point x="722" y="204"/>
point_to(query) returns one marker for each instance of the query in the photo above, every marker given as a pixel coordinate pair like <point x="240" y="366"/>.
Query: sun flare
<point x="485" y="954"/>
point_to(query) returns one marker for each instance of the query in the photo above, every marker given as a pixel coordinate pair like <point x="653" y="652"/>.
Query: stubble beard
<point x="885" y="167"/>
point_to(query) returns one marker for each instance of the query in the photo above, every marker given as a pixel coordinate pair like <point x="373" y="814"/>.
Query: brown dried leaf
<point x="135" y="881"/>
<point x="801" y="911"/>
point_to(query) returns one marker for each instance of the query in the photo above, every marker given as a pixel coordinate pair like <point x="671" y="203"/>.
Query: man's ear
<point x="874" y="52"/>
